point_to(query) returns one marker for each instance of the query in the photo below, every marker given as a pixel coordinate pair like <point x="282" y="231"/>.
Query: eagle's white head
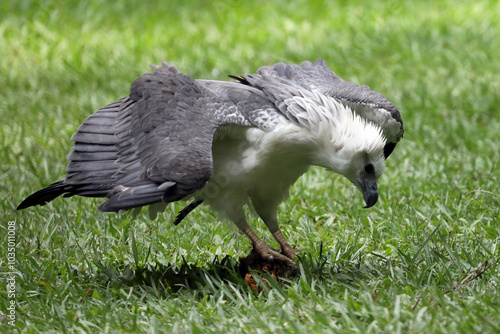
<point x="345" y="143"/>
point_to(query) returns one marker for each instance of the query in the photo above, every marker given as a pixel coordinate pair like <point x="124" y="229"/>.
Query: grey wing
<point x="165" y="137"/>
<point x="156" y="145"/>
<point x="92" y="160"/>
<point x="250" y="106"/>
<point x="367" y="103"/>
<point x="284" y="80"/>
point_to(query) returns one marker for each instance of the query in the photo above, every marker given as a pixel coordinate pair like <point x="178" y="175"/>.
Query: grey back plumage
<point x="281" y="81"/>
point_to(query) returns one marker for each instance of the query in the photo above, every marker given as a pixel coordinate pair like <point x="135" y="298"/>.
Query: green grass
<point x="424" y="259"/>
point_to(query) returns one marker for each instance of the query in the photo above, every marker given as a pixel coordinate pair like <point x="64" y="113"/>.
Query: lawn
<point x="423" y="260"/>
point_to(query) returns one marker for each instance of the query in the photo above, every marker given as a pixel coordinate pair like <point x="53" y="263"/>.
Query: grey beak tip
<point x="370" y="195"/>
<point x="368" y="206"/>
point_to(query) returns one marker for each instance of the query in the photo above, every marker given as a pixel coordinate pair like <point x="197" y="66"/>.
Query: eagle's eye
<point x="369" y="168"/>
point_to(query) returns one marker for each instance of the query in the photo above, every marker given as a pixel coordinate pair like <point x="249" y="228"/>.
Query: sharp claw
<point x="290" y="252"/>
<point x="266" y="252"/>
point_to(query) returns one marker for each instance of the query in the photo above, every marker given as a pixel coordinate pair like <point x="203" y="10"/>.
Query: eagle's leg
<point x="265" y="251"/>
<point x="260" y="248"/>
<point x="286" y="249"/>
<point x="267" y="210"/>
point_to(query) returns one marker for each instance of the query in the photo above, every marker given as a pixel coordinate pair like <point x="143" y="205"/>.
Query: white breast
<point x="250" y="162"/>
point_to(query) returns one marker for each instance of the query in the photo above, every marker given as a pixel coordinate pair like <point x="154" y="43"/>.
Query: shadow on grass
<point x="172" y="278"/>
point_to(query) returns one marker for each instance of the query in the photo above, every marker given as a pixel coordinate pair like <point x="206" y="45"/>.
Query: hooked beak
<point x="370" y="193"/>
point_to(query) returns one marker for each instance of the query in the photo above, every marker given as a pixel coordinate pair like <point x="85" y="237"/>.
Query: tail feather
<point x="42" y="197"/>
<point x="128" y="198"/>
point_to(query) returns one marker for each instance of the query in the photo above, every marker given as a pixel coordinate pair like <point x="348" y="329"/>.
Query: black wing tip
<point x="43" y="196"/>
<point x="388" y="148"/>
<point x="241" y="79"/>
<point x="186" y="211"/>
<point x="27" y="203"/>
